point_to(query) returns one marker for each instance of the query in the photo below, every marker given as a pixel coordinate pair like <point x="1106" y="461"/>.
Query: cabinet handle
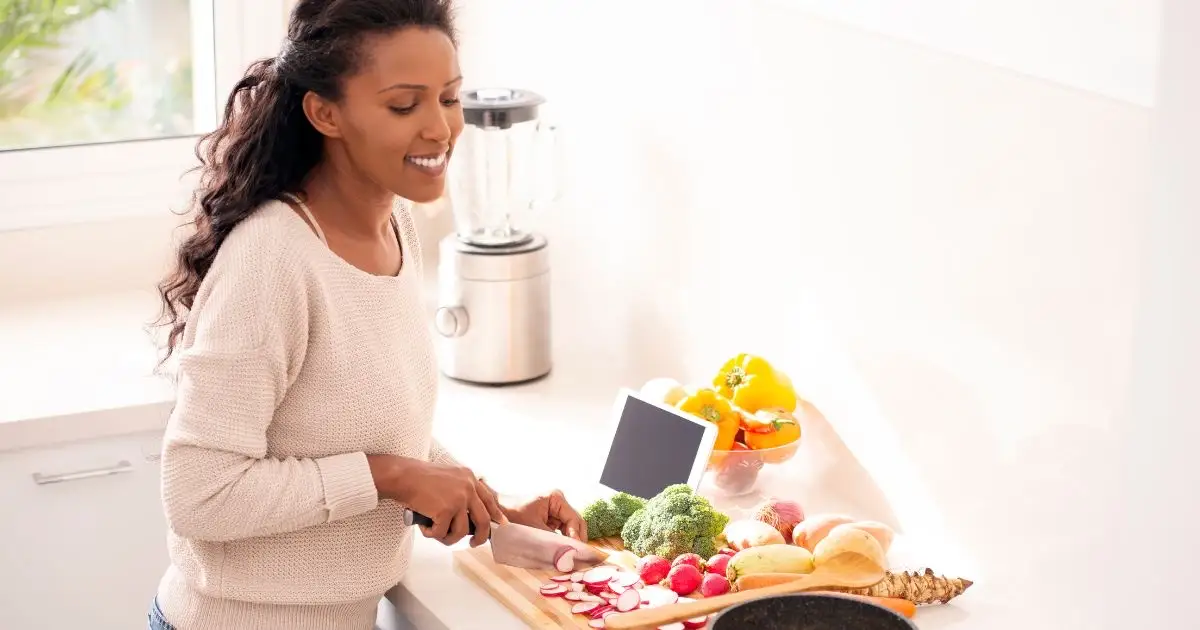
<point x="122" y="466"/>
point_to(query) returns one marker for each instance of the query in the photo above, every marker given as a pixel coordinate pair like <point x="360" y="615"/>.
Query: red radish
<point x="599" y="612"/>
<point x="617" y="588"/>
<point x="628" y="600"/>
<point x="583" y="608"/>
<point x="564" y="559"/>
<point x="576" y="586"/>
<point x="599" y="575"/>
<point x="566" y="577"/>
<point x="726" y="551"/>
<point x="714" y="585"/>
<point x="596" y="589"/>
<point x="718" y="563"/>
<point x="653" y="569"/>
<point x="557" y="591"/>
<point x="581" y="597"/>
<point x="596" y="623"/>
<point x="673" y="626"/>
<point x="684" y="579"/>
<point x="577" y="576"/>
<point x="689" y="558"/>
<point x="695" y="623"/>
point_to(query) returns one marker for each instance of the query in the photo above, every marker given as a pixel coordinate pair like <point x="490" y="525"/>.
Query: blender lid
<point x="499" y="107"/>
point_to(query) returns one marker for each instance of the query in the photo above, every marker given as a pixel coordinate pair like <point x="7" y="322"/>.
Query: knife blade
<point x="522" y="546"/>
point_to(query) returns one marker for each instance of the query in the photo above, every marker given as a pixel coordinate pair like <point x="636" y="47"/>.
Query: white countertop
<point x="65" y="380"/>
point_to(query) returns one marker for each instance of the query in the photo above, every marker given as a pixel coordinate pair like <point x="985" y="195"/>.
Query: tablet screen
<point x="652" y="448"/>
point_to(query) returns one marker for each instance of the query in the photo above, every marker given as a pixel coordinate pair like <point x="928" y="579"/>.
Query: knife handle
<point x="412" y="517"/>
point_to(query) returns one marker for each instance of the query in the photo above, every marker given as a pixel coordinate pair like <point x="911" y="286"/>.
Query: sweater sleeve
<point x="245" y="341"/>
<point x="439" y="455"/>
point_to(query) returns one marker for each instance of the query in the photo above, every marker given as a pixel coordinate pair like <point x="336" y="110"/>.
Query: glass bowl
<point x="736" y="472"/>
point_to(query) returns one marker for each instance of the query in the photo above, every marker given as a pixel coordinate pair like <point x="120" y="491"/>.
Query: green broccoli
<point x="675" y="522"/>
<point x="626" y="505"/>
<point x="606" y="517"/>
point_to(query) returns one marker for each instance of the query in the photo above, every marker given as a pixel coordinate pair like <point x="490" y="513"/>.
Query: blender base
<point x="493" y="316"/>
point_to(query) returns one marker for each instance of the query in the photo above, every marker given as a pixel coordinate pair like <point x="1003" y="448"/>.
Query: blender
<point x="493" y="314"/>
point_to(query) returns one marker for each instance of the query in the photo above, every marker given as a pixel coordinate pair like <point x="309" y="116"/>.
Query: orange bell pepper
<point x="770" y="428"/>
<point x="751" y="383"/>
<point x="705" y="403"/>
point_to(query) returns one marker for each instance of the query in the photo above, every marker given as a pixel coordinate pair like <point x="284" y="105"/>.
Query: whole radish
<point x="717" y="564"/>
<point x="684" y="579"/>
<point x="714" y="585"/>
<point x="653" y="569"/>
<point x="690" y="558"/>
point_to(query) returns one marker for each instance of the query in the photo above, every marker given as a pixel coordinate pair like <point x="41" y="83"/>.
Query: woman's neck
<point x="344" y="201"/>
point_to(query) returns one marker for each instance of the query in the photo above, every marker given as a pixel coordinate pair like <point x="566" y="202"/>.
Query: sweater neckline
<point x="319" y="243"/>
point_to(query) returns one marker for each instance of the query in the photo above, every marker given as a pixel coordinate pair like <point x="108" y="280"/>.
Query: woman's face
<point x="399" y="115"/>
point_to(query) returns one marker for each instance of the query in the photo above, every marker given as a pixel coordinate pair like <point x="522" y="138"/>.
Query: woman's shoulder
<point x="269" y="247"/>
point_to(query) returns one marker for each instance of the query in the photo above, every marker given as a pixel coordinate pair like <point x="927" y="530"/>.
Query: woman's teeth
<point x="428" y="162"/>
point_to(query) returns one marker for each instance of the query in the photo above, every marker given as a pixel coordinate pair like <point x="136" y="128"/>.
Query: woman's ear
<point x="322" y="115"/>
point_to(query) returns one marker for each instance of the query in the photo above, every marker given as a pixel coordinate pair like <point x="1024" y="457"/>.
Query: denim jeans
<point x="155" y="616"/>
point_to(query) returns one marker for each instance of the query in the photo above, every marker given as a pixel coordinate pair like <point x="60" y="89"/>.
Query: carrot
<point x="761" y="580"/>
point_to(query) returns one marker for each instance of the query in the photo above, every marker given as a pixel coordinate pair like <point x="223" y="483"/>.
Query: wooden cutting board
<point x="518" y="588"/>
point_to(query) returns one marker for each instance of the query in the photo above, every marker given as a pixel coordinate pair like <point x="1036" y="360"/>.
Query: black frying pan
<point x="809" y="612"/>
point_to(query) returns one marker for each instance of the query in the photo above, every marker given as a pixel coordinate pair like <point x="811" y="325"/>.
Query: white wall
<point x="1108" y="46"/>
<point x="758" y="179"/>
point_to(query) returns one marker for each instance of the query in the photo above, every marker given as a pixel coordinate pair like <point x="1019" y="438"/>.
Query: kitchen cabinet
<point x="83" y="536"/>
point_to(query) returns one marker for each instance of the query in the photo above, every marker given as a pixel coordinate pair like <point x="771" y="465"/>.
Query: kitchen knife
<point x="523" y="546"/>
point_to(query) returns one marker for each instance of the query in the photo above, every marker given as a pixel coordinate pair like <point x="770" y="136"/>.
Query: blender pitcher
<point x="506" y="164"/>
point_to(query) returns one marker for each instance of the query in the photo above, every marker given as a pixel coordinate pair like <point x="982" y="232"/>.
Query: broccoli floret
<point x="675" y="522"/>
<point x="606" y="517"/>
<point x="603" y="520"/>
<point x="626" y="505"/>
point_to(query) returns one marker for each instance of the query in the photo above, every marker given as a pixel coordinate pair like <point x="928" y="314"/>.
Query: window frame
<point x="45" y="187"/>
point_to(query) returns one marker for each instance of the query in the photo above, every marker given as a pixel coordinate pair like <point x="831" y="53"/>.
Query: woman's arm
<point x="246" y="339"/>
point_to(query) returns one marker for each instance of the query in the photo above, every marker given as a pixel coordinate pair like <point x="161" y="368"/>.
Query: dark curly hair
<point x="265" y="145"/>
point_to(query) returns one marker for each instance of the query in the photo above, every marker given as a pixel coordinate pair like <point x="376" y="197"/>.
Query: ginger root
<point x="915" y="586"/>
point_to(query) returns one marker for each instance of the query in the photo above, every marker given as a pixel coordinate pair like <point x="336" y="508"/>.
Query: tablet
<point x="654" y="446"/>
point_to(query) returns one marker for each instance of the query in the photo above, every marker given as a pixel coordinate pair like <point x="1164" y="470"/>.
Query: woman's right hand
<point x="452" y="496"/>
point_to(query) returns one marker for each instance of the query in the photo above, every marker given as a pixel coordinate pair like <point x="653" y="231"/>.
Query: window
<point x="102" y="101"/>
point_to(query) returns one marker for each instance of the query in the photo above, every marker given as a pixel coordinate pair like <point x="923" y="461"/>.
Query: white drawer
<point x="84" y="537"/>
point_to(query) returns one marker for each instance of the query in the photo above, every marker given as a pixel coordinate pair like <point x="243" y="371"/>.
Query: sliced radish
<point x="654" y="596"/>
<point x="596" y="623"/>
<point x="577" y="576"/>
<point x="628" y="600"/>
<point x="599" y="575"/>
<point x="673" y="626"/>
<point x="551" y="585"/>
<point x="564" y="559"/>
<point x="626" y="579"/>
<point x="695" y="623"/>
<point x="558" y="591"/>
<point x="608" y="596"/>
<point x="583" y="608"/>
<point x="596" y="589"/>
<point x="617" y="588"/>
<point x="566" y="577"/>
<point x="599" y="612"/>
<point x="576" y="586"/>
<point x="608" y="612"/>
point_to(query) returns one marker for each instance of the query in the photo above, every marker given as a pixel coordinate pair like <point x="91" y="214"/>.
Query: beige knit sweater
<point x="293" y="366"/>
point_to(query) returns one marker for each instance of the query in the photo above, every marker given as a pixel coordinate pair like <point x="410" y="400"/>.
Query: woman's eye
<point x="449" y="102"/>
<point x="403" y="110"/>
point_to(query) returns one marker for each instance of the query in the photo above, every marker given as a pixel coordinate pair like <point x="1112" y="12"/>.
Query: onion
<point x="781" y="514"/>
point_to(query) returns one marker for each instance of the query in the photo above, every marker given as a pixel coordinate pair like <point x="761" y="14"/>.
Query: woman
<point x="306" y="380"/>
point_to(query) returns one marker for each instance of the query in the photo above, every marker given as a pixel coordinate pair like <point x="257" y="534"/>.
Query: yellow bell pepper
<point x="752" y="384"/>
<point x="707" y="404"/>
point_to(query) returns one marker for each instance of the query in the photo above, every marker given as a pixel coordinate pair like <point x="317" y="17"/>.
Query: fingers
<point x="441" y="526"/>
<point x="460" y="528"/>
<point x="479" y="516"/>
<point x="573" y="524"/>
<point x="491" y="503"/>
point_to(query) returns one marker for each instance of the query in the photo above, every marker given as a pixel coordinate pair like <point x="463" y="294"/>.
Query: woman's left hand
<point x="549" y="512"/>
